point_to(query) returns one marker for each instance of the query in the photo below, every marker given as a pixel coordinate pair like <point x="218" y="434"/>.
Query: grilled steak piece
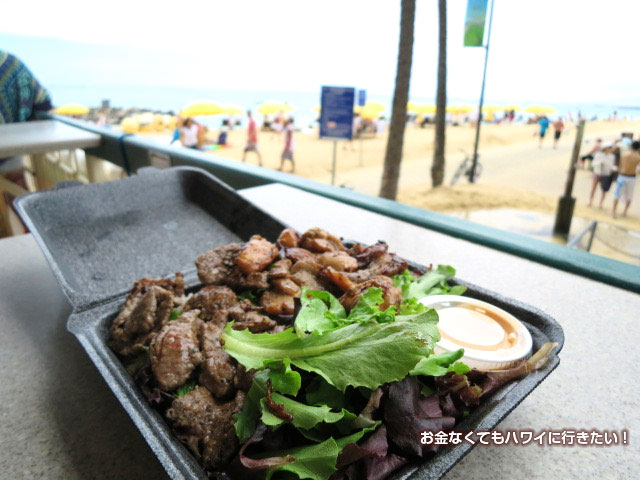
<point x="215" y="266"/>
<point x="213" y="303"/>
<point x="339" y="279"/>
<point x="305" y="273"/>
<point x="218" y="368"/>
<point x="175" y="351"/>
<point x="299" y="255"/>
<point x="206" y="425"/>
<point x="252" y="320"/>
<point x="364" y="255"/>
<point x="276" y="303"/>
<point x="319" y="241"/>
<point x="145" y="311"/>
<point x="256" y="255"/>
<point x="341" y="261"/>
<point x="286" y="286"/>
<point x="289" y="238"/>
<point x="280" y="269"/>
<point x="391" y="294"/>
<point x="257" y="280"/>
<point x="386" y="264"/>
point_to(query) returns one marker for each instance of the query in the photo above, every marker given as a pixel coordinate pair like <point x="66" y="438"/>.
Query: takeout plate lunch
<point x="98" y="239"/>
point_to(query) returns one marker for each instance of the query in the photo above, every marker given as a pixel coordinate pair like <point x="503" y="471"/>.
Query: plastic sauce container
<point x="492" y="338"/>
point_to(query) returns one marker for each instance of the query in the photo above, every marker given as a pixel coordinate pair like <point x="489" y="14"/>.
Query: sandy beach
<point x="516" y="173"/>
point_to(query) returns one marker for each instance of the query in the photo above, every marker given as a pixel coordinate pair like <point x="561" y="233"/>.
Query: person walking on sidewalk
<point x="252" y="139"/>
<point x="626" y="178"/>
<point x="287" y="152"/>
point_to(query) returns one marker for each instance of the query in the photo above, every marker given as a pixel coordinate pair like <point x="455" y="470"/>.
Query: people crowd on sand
<point x="613" y="163"/>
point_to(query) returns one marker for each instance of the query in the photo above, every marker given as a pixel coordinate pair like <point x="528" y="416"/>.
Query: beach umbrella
<point x="233" y="109"/>
<point x="492" y="108"/>
<point x="459" y="108"/>
<point x="421" y="108"/>
<point x="540" y="109"/>
<point x="72" y="109"/>
<point x="129" y="125"/>
<point x="271" y="107"/>
<point x="202" y="107"/>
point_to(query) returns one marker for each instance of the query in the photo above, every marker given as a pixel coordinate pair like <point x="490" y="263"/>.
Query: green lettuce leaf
<point x="317" y="462"/>
<point x="358" y="354"/>
<point x="434" y="282"/>
<point x="283" y="378"/>
<point x="441" y="364"/>
<point x="320" y="312"/>
<point x="368" y="308"/>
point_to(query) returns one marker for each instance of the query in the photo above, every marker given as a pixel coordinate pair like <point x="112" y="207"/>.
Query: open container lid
<point x="492" y="338"/>
<point x="100" y="238"/>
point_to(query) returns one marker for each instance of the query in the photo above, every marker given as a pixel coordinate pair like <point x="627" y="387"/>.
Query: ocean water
<point x="175" y="98"/>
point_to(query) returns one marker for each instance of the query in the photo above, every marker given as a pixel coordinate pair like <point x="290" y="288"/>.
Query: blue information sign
<point x="362" y="97"/>
<point x="336" y="118"/>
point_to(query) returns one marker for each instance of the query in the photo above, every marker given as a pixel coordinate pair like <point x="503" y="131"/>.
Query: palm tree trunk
<point x="393" y="154"/>
<point x="437" y="167"/>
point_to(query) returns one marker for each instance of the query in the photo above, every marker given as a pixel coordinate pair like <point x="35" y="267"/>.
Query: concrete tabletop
<point x="59" y="419"/>
<point x="42" y="136"/>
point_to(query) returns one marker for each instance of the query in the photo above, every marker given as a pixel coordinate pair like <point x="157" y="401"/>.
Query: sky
<point x="542" y="51"/>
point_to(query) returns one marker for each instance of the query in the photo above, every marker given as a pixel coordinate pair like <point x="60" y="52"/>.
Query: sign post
<point x="362" y="101"/>
<point x="566" y="204"/>
<point x="336" y="118"/>
<point x="474" y="37"/>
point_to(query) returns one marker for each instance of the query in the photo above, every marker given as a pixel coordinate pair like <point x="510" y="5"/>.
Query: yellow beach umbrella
<point x="540" y="109"/>
<point x="233" y="109"/>
<point x="271" y="107"/>
<point x="72" y="109"/>
<point x="492" y="108"/>
<point x="421" y="108"/>
<point x="129" y="125"/>
<point x="459" y="108"/>
<point x="202" y="107"/>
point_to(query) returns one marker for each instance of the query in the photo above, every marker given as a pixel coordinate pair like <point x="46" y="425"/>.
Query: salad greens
<point x="321" y="380"/>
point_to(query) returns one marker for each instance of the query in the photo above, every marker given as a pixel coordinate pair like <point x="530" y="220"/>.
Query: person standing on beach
<point x="252" y="139"/>
<point x="189" y="134"/>
<point x="558" y="126"/>
<point x="604" y="165"/>
<point x="589" y="156"/>
<point x="287" y="152"/>
<point x="544" y="125"/>
<point x="627" y="178"/>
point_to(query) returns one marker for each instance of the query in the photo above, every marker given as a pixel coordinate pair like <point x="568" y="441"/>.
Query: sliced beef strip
<point x="280" y="269"/>
<point x="257" y="281"/>
<point x="245" y="317"/>
<point x="339" y="279"/>
<point x="215" y="266"/>
<point x="145" y="311"/>
<point x="299" y="255"/>
<point x="218" y="369"/>
<point x="364" y="255"/>
<point x="320" y="241"/>
<point x="386" y="264"/>
<point x="286" y="286"/>
<point x="213" y="302"/>
<point x="306" y="273"/>
<point x="256" y="255"/>
<point x="288" y="238"/>
<point x="206" y="425"/>
<point x="341" y="261"/>
<point x="276" y="303"/>
<point x="175" y="351"/>
<point x="391" y="294"/>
